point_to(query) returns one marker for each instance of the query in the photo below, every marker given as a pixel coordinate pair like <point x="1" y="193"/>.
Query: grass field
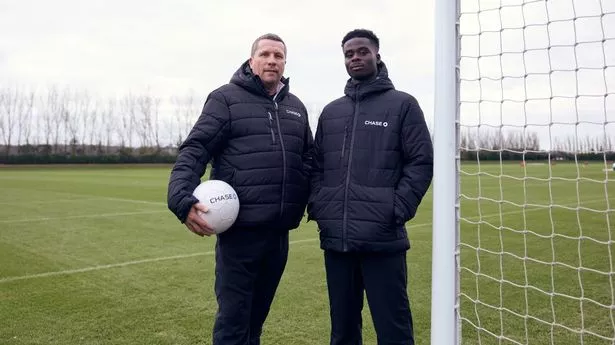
<point x="91" y="255"/>
<point x="537" y="256"/>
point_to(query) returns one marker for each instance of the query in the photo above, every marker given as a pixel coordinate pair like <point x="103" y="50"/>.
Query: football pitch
<point x="92" y="255"/>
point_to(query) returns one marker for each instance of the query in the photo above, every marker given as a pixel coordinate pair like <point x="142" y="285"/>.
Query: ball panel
<point x="222" y="202"/>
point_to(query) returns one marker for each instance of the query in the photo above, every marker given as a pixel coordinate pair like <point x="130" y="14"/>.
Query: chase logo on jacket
<point x="376" y="123"/>
<point x="292" y="112"/>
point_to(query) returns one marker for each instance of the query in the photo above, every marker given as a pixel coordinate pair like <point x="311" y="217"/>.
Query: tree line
<point x="519" y="145"/>
<point x="63" y="125"/>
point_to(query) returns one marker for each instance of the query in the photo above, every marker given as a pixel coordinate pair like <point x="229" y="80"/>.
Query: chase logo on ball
<point x="222" y="197"/>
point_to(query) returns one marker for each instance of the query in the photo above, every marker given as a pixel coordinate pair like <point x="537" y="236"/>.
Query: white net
<point x="537" y="112"/>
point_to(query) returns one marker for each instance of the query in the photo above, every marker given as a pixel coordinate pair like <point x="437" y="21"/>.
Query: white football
<point x="222" y="202"/>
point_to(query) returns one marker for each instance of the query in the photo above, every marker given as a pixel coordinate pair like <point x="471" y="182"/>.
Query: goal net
<point x="536" y="147"/>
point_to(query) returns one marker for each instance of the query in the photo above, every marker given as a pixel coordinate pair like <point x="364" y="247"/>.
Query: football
<point x="222" y="202"/>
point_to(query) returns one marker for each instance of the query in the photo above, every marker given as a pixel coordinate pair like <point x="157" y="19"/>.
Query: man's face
<point x="268" y="61"/>
<point x="361" y="58"/>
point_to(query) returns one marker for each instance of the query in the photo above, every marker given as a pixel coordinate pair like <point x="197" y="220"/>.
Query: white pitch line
<point x="135" y="201"/>
<point x="121" y="264"/>
<point x="40" y="202"/>
<point x="101" y="198"/>
<point x="102" y="215"/>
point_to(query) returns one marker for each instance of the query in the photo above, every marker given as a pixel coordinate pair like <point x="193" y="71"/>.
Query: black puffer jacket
<point x="372" y="165"/>
<point x="258" y="144"/>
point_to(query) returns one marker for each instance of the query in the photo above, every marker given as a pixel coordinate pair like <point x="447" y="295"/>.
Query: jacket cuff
<point x="186" y="205"/>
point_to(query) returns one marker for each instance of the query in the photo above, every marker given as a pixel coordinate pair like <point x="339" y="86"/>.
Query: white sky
<point x="172" y="46"/>
<point x="112" y="47"/>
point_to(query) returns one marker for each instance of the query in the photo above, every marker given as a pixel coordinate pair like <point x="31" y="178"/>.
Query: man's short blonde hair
<point x="268" y="36"/>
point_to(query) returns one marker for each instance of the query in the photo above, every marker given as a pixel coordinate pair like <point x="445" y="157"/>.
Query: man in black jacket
<point x="372" y="165"/>
<point x="257" y="136"/>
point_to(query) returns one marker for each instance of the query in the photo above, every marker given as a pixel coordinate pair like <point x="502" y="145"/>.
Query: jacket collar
<point x="359" y="90"/>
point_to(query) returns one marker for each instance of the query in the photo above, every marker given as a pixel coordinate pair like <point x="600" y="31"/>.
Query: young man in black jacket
<point x="257" y="136"/>
<point x="372" y="165"/>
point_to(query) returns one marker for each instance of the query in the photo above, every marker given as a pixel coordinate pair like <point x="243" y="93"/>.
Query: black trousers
<point x="249" y="266"/>
<point x="384" y="278"/>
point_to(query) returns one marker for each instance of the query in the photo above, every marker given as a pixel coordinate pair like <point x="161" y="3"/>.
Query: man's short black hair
<point x="268" y="36"/>
<point x="362" y="33"/>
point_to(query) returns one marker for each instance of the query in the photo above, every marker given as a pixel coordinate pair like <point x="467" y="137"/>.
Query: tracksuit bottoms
<point x="249" y="266"/>
<point x="383" y="277"/>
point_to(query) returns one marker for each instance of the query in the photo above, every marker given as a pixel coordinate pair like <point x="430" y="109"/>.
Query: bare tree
<point x="185" y="111"/>
<point x="84" y="113"/>
<point x="25" y="105"/>
<point x="128" y="107"/>
<point x="532" y="141"/>
<point x="156" y="121"/>
<point x="178" y="110"/>
<point x="110" y="122"/>
<point x="147" y="118"/>
<point x="96" y="124"/>
<point x="15" y="116"/>
<point x="587" y="145"/>
<point x="570" y="144"/>
<point x="50" y="108"/>
<point x="142" y="119"/>
<point x="9" y="110"/>
<point x="169" y="124"/>
<point x="463" y="139"/>
<point x="70" y="120"/>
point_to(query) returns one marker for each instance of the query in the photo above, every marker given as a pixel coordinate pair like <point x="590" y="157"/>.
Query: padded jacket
<point x="372" y="164"/>
<point x="257" y="143"/>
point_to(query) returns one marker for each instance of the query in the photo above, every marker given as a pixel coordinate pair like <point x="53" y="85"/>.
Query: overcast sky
<point x="112" y="47"/>
<point x="116" y="46"/>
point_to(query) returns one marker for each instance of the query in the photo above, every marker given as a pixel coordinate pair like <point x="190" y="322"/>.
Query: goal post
<point x="444" y="293"/>
<point x="524" y="181"/>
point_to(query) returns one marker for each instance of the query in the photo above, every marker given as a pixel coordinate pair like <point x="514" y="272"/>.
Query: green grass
<point x="91" y="255"/>
<point x="537" y="256"/>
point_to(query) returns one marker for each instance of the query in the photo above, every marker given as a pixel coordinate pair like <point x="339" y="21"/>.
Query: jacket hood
<point x="245" y="78"/>
<point x="358" y="90"/>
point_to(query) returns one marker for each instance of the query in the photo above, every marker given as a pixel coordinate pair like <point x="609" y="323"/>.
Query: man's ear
<point x="250" y="62"/>
<point x="378" y="58"/>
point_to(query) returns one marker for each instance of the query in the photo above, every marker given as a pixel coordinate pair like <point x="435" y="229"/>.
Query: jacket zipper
<point x="348" y="171"/>
<point x="277" y="118"/>
<point x="271" y="127"/>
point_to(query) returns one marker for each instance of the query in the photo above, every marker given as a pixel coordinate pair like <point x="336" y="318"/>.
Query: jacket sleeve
<point x="308" y="145"/>
<point x="308" y="148"/>
<point x="417" y="163"/>
<point x="316" y="165"/>
<point x="306" y="159"/>
<point x="205" y="141"/>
